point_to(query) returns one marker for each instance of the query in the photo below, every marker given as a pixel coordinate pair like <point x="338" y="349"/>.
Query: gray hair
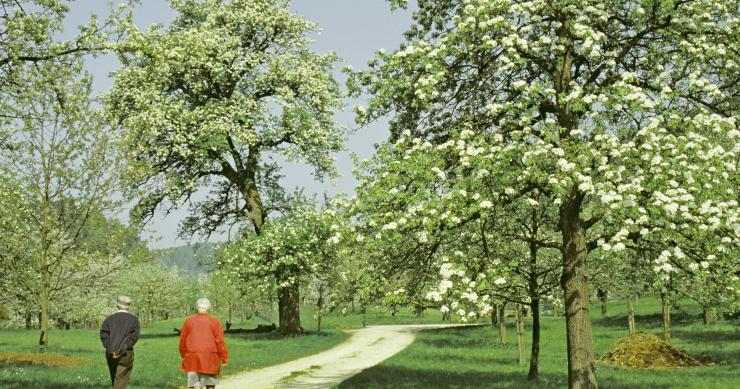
<point x="202" y="305"/>
<point x="123" y="302"/>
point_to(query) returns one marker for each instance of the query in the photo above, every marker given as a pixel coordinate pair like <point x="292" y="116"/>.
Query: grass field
<point x="472" y="357"/>
<point x="157" y="359"/>
<point x="454" y="358"/>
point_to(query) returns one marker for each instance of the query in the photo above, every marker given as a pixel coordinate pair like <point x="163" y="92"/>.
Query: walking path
<point x="365" y="348"/>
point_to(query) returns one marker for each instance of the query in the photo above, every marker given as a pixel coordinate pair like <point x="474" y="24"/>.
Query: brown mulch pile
<point x="647" y="351"/>
<point x="52" y="360"/>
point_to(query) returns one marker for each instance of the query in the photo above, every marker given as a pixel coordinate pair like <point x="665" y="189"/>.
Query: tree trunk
<point x="535" y="302"/>
<point x="28" y="320"/>
<point x="520" y="334"/>
<point x="319" y="308"/>
<point x="534" y="357"/>
<point x="363" y="308"/>
<point x="44" y="306"/>
<point x="631" y="315"/>
<point x="666" y="317"/>
<point x="603" y="295"/>
<point x="708" y="316"/>
<point x="289" y="310"/>
<point x="502" y="323"/>
<point x="581" y="372"/>
<point x="494" y="316"/>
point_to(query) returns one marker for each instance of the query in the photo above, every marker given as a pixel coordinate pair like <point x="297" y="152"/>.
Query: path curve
<point x="366" y="347"/>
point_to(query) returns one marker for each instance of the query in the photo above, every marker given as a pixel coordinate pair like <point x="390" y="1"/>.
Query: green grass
<point x="462" y="358"/>
<point x="157" y="359"/>
<point x="472" y="357"/>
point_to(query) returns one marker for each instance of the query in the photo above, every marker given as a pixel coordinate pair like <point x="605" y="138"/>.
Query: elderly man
<point x="202" y="347"/>
<point x="119" y="334"/>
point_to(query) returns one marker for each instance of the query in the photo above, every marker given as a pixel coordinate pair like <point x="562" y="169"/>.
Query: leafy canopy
<point x="212" y="98"/>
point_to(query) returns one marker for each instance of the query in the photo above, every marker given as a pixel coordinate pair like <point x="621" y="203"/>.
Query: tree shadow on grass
<point x="405" y="378"/>
<point x="159" y="336"/>
<point x="647" y="321"/>
<point x="707" y="336"/>
<point x="456" y="337"/>
<point x="719" y="357"/>
<point x="275" y="335"/>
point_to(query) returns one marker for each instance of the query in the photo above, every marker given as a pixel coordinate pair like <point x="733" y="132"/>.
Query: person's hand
<point x="114" y="355"/>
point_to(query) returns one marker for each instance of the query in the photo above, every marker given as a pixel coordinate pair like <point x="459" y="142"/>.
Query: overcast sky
<point x="354" y="29"/>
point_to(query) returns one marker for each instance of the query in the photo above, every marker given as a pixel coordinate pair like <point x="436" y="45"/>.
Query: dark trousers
<point x="120" y="369"/>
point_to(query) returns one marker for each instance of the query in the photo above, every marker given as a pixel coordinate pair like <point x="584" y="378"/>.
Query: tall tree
<point x="611" y="107"/>
<point x="210" y="100"/>
<point x="64" y="157"/>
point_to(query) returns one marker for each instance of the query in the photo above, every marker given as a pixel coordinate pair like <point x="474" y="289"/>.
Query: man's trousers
<point x="120" y="369"/>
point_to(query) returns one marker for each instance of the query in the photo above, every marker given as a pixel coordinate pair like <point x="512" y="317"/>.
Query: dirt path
<point x="365" y="348"/>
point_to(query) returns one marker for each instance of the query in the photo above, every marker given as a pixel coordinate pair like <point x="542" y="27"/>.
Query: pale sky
<point x="354" y="29"/>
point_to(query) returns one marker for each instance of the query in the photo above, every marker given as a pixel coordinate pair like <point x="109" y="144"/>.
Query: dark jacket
<point x="119" y="332"/>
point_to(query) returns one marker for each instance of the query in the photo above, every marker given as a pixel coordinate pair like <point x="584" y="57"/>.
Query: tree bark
<point x="520" y="334"/>
<point x="666" y="317"/>
<point x="603" y="296"/>
<point x="581" y="372"/>
<point x="363" y="308"/>
<point x="44" y="302"/>
<point x="28" y="320"/>
<point x="631" y="315"/>
<point x="534" y="306"/>
<point x="494" y="315"/>
<point x="708" y="316"/>
<point x="288" y="309"/>
<point x="502" y="323"/>
<point x="320" y="307"/>
<point x="534" y="374"/>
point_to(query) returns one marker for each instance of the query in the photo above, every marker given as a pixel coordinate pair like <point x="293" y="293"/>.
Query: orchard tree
<point x="226" y="299"/>
<point x="29" y="30"/>
<point x="63" y="156"/>
<point x="627" y="273"/>
<point x="290" y="250"/>
<point x="157" y="291"/>
<point x="210" y="100"/>
<point x="508" y="258"/>
<point x="614" y="109"/>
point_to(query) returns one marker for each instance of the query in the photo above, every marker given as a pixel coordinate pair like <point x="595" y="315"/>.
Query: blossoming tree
<point x="210" y="100"/>
<point x="613" y="108"/>
<point x="291" y="249"/>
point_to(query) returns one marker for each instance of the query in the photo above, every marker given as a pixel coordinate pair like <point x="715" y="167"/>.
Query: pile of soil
<point x="647" y="351"/>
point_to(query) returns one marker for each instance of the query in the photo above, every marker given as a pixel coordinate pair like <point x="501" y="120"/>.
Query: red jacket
<point x="202" y="345"/>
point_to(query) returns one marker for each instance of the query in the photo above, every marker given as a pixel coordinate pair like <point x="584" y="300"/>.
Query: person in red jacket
<point x="202" y="347"/>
